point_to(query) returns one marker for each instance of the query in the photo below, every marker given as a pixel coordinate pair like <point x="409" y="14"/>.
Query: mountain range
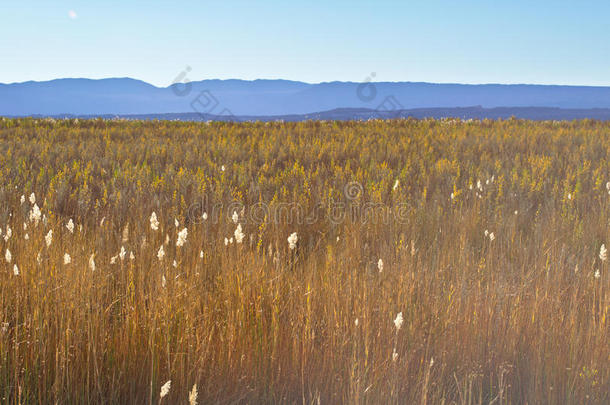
<point x="295" y="100"/>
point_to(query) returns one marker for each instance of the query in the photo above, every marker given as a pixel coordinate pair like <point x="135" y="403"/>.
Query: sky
<point x="542" y="42"/>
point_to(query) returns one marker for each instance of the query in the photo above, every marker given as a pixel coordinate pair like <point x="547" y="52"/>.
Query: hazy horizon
<point x="306" y="82"/>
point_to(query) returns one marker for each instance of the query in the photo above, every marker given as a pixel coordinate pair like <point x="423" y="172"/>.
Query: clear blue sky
<point x="562" y="42"/>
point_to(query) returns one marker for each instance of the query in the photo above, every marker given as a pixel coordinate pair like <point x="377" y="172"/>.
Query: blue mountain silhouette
<point x="125" y="96"/>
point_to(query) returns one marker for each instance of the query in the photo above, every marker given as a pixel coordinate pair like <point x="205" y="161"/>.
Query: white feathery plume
<point x="193" y="396"/>
<point x="8" y="233"/>
<point x="70" y="226"/>
<point x="398" y="321"/>
<point x="292" y="240"/>
<point x="35" y="214"/>
<point x="154" y="223"/>
<point x="182" y="237"/>
<point x="49" y="237"/>
<point x="165" y="389"/>
<point x="239" y="235"/>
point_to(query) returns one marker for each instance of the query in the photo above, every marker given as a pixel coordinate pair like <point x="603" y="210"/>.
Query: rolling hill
<point x="277" y="98"/>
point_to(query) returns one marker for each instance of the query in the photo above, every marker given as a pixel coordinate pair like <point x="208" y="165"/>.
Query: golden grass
<point x="518" y="319"/>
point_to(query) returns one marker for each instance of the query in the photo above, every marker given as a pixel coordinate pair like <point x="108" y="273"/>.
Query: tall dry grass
<point x="522" y="318"/>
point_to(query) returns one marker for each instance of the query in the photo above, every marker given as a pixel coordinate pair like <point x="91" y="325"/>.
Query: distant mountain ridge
<point x="276" y="98"/>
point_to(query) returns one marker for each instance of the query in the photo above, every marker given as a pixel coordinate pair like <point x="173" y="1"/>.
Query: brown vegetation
<point x="520" y="317"/>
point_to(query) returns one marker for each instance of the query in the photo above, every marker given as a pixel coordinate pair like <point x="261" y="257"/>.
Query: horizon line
<point x="311" y="83"/>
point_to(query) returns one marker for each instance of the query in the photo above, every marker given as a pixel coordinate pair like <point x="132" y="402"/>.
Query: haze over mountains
<point x="125" y="96"/>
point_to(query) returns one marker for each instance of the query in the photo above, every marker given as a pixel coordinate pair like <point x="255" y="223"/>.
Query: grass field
<point x="323" y="262"/>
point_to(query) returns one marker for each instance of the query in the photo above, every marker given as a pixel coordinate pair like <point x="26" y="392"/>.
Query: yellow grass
<point x="518" y="319"/>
